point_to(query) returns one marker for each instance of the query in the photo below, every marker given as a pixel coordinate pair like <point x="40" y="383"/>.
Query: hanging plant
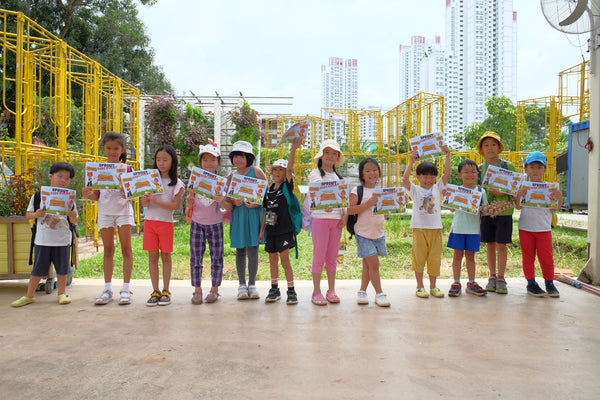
<point x="161" y="120"/>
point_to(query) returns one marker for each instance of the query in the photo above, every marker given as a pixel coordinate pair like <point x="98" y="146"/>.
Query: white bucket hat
<point x="332" y="144"/>
<point x="210" y="148"/>
<point x="280" y="163"/>
<point x="242" y="147"/>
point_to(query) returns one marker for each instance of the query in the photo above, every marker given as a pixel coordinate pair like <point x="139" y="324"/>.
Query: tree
<point x="195" y="129"/>
<point x="246" y="124"/>
<point x="162" y="115"/>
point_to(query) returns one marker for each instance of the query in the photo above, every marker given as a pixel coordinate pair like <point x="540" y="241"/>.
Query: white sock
<point x="126" y="286"/>
<point x="108" y="286"/>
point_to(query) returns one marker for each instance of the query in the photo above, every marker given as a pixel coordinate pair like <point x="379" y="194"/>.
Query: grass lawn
<point x="570" y="252"/>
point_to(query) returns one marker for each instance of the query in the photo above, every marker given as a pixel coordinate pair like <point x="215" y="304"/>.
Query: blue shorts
<point x="459" y="241"/>
<point x="370" y="247"/>
<point x="60" y="256"/>
<point x="498" y="229"/>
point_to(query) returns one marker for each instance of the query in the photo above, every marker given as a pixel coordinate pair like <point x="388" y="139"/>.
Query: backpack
<point x="295" y="212"/>
<point x="37" y="200"/>
<point x="353" y="218"/>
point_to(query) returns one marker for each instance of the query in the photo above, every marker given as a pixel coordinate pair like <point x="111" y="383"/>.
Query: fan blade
<point x="576" y="14"/>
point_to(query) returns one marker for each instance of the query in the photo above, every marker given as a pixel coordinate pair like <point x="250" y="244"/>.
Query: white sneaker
<point x="252" y="292"/>
<point x="361" y="297"/>
<point x="125" y="297"/>
<point x="381" y="300"/>
<point x="105" y="298"/>
<point x="242" y="293"/>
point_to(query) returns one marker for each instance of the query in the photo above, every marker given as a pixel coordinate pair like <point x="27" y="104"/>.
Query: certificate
<point x="206" y="183"/>
<point x="427" y="145"/>
<point x="138" y="183"/>
<point x="389" y="201"/>
<point x="327" y="194"/>
<point x="502" y="179"/>
<point x="296" y="130"/>
<point x="247" y="188"/>
<point x="462" y="198"/>
<point x="104" y="175"/>
<point x="57" y="201"/>
<point x="538" y="195"/>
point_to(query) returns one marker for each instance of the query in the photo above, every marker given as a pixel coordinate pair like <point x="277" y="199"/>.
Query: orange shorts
<point x="158" y="235"/>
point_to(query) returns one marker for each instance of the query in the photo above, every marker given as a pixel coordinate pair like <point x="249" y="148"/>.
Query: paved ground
<point x="510" y="347"/>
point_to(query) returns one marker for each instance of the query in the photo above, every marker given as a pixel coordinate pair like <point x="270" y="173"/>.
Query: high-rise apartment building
<point x="339" y="89"/>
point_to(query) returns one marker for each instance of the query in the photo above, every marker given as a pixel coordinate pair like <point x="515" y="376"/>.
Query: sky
<point x="277" y="47"/>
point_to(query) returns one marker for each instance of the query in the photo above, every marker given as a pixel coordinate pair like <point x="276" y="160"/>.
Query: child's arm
<point x="290" y="167"/>
<point x="447" y="165"/>
<point x="39" y="213"/>
<point x="73" y="216"/>
<point x="557" y="194"/>
<point x="261" y="234"/>
<point x="517" y="198"/>
<point x="90" y="193"/>
<point x="356" y="208"/>
<point x="406" y="176"/>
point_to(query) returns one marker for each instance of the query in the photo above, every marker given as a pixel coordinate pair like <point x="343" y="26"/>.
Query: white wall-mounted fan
<point x="572" y="16"/>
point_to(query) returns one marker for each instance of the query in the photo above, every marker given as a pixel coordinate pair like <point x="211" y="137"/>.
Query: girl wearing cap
<point x="327" y="224"/>
<point x="245" y="222"/>
<point x="207" y="225"/>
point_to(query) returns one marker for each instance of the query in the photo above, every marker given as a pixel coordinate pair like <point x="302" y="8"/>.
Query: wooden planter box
<point x="15" y="233"/>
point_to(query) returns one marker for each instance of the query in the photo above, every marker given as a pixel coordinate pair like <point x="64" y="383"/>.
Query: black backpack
<point x="37" y="200"/>
<point x="353" y="218"/>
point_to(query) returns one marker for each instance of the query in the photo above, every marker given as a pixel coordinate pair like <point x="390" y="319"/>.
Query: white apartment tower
<point x="339" y="88"/>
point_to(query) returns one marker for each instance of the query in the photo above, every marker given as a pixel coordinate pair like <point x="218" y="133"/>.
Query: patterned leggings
<point x="199" y="234"/>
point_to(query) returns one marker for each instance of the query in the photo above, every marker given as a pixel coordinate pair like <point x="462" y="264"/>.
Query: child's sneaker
<point x="273" y="296"/>
<point x="455" y="290"/>
<point x="381" y="300"/>
<point x="535" y="290"/>
<point x="253" y="293"/>
<point x="491" y="285"/>
<point x="422" y="293"/>
<point x="552" y="290"/>
<point x="105" y="298"/>
<point x="474" y="288"/>
<point x="125" y="297"/>
<point x="435" y="292"/>
<point x="64" y="299"/>
<point x="501" y="286"/>
<point x="242" y="293"/>
<point x="23" y="301"/>
<point x="361" y="297"/>
<point x="292" y="297"/>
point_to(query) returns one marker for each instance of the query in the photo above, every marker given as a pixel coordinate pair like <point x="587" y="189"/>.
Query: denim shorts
<point x="370" y="247"/>
<point x="458" y="241"/>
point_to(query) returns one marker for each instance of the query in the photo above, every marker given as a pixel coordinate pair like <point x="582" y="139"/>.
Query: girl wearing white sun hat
<point x="326" y="225"/>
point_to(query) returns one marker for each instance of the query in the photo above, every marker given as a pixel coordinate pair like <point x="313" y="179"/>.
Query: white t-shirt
<point x="52" y="230"/>
<point x="336" y="213"/>
<point x="368" y="225"/>
<point x="154" y="212"/>
<point x="427" y="206"/>
<point x="535" y="219"/>
<point x="111" y="202"/>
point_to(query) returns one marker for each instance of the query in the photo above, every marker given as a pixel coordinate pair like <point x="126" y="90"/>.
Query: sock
<point x="492" y="275"/>
<point x="126" y="286"/>
<point x="471" y="281"/>
<point x="457" y="281"/>
<point x="274" y="283"/>
<point x="108" y="286"/>
<point x="290" y="284"/>
<point x="531" y="282"/>
<point x="501" y="277"/>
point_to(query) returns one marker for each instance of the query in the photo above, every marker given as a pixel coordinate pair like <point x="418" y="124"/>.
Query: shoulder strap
<point x="37" y="200"/>
<point x="359" y="192"/>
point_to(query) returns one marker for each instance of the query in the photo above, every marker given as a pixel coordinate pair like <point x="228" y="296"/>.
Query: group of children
<point x="271" y="223"/>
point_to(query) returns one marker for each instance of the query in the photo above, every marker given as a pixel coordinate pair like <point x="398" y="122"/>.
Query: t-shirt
<point x="465" y="223"/>
<point x="206" y="211"/>
<point x="491" y="197"/>
<point x="427" y="206"/>
<point x="111" y="202"/>
<point x="154" y="212"/>
<point x="535" y="219"/>
<point x="275" y="202"/>
<point x="368" y="225"/>
<point x="52" y="230"/>
<point x="336" y="213"/>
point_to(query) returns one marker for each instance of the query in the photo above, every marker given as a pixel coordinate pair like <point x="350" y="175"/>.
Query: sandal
<point x="332" y="297"/>
<point x="165" y="298"/>
<point x="212" y="297"/>
<point x="318" y="299"/>
<point x="153" y="300"/>
<point x="197" y="297"/>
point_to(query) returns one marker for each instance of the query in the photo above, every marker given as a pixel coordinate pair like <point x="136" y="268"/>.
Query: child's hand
<point x="446" y="149"/>
<point x="414" y="155"/>
<point x="219" y="197"/>
<point x="123" y="195"/>
<point x="329" y="209"/>
<point x="188" y="215"/>
<point x="521" y="192"/>
<point x="261" y="236"/>
<point x="190" y="196"/>
<point x="495" y="192"/>
<point x="297" y="142"/>
<point x="343" y="221"/>
<point x="72" y="215"/>
<point x="556" y="194"/>
<point x="87" y="192"/>
<point x="372" y="201"/>
<point x="238" y="202"/>
<point x="147" y="199"/>
<point x="40" y="213"/>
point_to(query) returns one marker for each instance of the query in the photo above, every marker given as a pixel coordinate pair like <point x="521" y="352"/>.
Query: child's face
<point x="468" y="175"/>
<point x="278" y="174"/>
<point x="240" y="162"/>
<point x="163" y="162"/>
<point x="113" y="150"/>
<point x="60" y="179"/>
<point x="330" y="157"/>
<point x="490" y="148"/>
<point x="535" y="171"/>
<point x="426" y="181"/>
<point x="210" y="163"/>
<point x="370" y="174"/>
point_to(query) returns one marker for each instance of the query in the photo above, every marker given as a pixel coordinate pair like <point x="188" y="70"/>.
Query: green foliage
<point x="16" y="194"/>
<point x="161" y="120"/>
<point x="195" y="129"/>
<point x="246" y="124"/>
<point x="45" y="132"/>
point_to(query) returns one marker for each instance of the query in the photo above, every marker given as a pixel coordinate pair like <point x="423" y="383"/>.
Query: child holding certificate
<point x="159" y="226"/>
<point x="464" y="235"/>
<point x="535" y="231"/>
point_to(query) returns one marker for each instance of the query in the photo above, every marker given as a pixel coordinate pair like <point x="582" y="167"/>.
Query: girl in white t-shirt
<point x="369" y="231"/>
<point x="159" y="225"/>
<point x="114" y="211"/>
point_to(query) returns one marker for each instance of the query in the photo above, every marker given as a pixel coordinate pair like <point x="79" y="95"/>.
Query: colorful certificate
<point x="247" y="188"/>
<point x="538" y="195"/>
<point x="298" y="129"/>
<point x="206" y="183"/>
<point x="502" y="179"/>
<point x="390" y="201"/>
<point x="427" y="145"/>
<point x="104" y="175"/>
<point x="138" y="183"/>
<point x="462" y="198"/>
<point x="327" y="194"/>
<point x="57" y="201"/>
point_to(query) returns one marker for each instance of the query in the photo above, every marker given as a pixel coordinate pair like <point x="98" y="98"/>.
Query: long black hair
<point x="174" y="163"/>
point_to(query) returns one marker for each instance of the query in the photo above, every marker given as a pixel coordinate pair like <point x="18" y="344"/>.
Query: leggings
<point x="240" y="264"/>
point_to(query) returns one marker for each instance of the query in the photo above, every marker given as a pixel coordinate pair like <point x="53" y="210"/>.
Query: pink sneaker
<point x="318" y="299"/>
<point x="332" y="297"/>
